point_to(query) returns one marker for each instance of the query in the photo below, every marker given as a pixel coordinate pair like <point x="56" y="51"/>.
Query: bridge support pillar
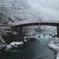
<point x="21" y="34"/>
<point x="58" y="31"/>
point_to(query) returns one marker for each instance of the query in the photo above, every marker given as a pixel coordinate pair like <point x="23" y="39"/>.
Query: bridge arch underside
<point x="33" y="24"/>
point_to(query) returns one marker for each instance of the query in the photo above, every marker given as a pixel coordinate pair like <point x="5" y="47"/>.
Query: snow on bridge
<point x="36" y="22"/>
<point x="33" y="22"/>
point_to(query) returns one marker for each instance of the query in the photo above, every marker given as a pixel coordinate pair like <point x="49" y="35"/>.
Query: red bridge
<point x="33" y="22"/>
<point x="21" y="24"/>
<point x="36" y="22"/>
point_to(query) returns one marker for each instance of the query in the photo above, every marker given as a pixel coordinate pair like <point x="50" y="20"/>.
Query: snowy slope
<point x="32" y="9"/>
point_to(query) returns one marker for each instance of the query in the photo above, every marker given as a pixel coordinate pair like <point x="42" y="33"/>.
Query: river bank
<point x="55" y="46"/>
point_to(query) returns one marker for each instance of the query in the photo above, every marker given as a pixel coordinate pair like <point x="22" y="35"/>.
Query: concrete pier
<point x="58" y="31"/>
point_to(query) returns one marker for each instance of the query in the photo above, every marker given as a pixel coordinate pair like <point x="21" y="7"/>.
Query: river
<point x="33" y="49"/>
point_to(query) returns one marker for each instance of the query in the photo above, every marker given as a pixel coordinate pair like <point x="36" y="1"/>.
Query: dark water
<point x="35" y="49"/>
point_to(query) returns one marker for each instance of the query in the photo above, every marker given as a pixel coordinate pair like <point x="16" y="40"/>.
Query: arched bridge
<point x="36" y="22"/>
<point x="24" y="23"/>
<point x="33" y="22"/>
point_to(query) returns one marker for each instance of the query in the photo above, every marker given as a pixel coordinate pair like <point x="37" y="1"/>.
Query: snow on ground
<point x="55" y="46"/>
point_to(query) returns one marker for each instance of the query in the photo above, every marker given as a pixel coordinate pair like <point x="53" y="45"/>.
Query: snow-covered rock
<point x="25" y="40"/>
<point x="8" y="47"/>
<point x="56" y="39"/>
<point x="50" y="33"/>
<point x="53" y="34"/>
<point x="14" y="45"/>
<point x="54" y="46"/>
<point x="2" y="41"/>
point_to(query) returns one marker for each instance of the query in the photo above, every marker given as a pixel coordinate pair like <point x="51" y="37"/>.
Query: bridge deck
<point x="36" y="22"/>
<point x="33" y="22"/>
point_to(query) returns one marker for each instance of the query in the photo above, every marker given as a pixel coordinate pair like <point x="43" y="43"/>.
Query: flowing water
<point x="34" y="49"/>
